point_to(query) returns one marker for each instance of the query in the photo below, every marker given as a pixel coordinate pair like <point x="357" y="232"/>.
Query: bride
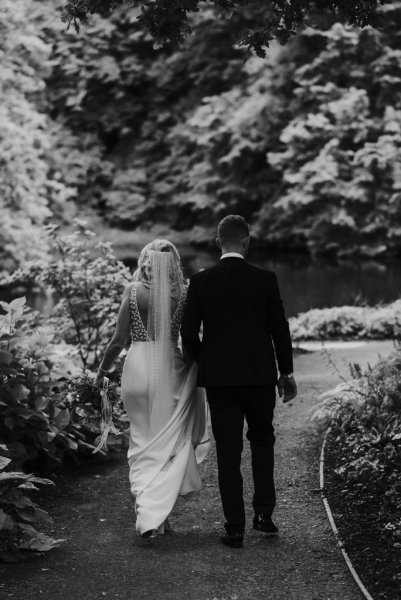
<point x="166" y="411"/>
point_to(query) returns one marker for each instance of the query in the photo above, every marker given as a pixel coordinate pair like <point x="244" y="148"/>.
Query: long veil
<point x="162" y="279"/>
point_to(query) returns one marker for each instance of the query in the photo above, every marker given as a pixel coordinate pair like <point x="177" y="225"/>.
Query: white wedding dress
<point x="167" y="442"/>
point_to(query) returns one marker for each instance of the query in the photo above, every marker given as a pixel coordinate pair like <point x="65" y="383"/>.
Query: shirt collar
<point x="232" y="255"/>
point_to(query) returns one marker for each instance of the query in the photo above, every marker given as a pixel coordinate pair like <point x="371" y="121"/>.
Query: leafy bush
<point x="372" y="398"/>
<point x="19" y="516"/>
<point x="88" y="282"/>
<point x="348" y="322"/>
<point x="48" y="407"/>
<point x="365" y="445"/>
<point x="23" y="428"/>
<point x="33" y="182"/>
<point x="305" y="143"/>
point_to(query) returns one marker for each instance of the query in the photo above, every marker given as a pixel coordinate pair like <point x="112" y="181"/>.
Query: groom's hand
<point x="287" y="387"/>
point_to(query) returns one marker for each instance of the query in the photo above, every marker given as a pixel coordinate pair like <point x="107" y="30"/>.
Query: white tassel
<point x="106" y="419"/>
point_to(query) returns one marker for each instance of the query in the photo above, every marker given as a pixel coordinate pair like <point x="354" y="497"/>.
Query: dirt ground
<point x="104" y="558"/>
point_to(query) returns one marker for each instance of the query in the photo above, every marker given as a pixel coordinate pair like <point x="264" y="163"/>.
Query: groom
<point x="244" y="333"/>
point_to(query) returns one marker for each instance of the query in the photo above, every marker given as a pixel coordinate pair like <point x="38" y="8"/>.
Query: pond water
<point x="304" y="283"/>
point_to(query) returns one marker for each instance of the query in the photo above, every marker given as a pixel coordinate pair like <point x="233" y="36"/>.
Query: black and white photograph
<point x="200" y="300"/>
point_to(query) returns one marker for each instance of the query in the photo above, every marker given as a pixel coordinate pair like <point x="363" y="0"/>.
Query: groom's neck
<point x="226" y="250"/>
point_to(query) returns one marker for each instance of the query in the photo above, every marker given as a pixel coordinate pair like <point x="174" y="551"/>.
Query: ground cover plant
<point x="363" y="471"/>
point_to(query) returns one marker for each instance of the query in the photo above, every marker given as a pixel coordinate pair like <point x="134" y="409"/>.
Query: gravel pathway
<point x="103" y="557"/>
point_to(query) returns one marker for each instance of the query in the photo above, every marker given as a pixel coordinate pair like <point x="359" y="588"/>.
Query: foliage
<point x="29" y="185"/>
<point x="339" y="159"/>
<point x="364" y="450"/>
<point x="19" y="515"/>
<point x="136" y="97"/>
<point x="367" y="423"/>
<point x="44" y="414"/>
<point x="23" y="427"/>
<point x="42" y="163"/>
<point x="89" y="290"/>
<point x="348" y="322"/>
<point x="169" y="21"/>
<point x="372" y="398"/>
<point x="311" y="159"/>
<point x="304" y="143"/>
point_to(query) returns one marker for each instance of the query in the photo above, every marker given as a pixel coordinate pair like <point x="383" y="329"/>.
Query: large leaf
<point x="66" y="441"/>
<point x="18" y="476"/>
<point x="62" y="418"/>
<point x="42" y="516"/>
<point x="26" y="514"/>
<point x="41" y="480"/>
<point x="4" y="461"/>
<point x="16" y="308"/>
<point x="17" y="304"/>
<point x="9" y="423"/>
<point x="46" y="437"/>
<point x="41" y="403"/>
<point x="21" y="501"/>
<point x="13" y="476"/>
<point x="33" y="540"/>
<point x="28" y="485"/>
<point x="5" y="357"/>
<point x="6" y="522"/>
<point x="20" y="392"/>
<point x="27" y="414"/>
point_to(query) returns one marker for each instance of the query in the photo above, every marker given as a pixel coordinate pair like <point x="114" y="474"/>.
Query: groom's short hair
<point x="232" y="228"/>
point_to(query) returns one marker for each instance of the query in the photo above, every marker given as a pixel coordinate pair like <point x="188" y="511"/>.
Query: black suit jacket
<point x="244" y="325"/>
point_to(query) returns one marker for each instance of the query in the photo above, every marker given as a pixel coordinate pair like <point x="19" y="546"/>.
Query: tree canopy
<point x="305" y="143"/>
<point x="170" y="21"/>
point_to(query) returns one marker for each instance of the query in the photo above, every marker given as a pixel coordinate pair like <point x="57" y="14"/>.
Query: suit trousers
<point x="229" y="406"/>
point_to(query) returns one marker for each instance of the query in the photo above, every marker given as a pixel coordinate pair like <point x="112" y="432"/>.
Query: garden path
<point x="103" y="558"/>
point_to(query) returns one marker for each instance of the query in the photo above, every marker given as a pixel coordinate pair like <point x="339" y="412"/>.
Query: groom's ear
<point x="218" y="243"/>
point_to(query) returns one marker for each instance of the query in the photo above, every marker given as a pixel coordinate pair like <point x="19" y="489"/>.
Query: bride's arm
<point x="190" y="326"/>
<point x="119" y="338"/>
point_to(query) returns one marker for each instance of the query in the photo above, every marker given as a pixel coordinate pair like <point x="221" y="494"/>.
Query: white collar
<point x="232" y="255"/>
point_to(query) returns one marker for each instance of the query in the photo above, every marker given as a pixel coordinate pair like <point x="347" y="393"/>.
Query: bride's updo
<point x="143" y="272"/>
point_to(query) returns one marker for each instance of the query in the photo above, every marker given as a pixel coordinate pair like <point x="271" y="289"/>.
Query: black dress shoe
<point x="264" y="523"/>
<point x="233" y="540"/>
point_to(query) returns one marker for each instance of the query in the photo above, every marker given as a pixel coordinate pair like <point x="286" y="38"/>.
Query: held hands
<point x="287" y="387"/>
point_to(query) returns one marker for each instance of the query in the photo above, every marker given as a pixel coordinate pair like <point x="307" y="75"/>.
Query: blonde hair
<point x="143" y="272"/>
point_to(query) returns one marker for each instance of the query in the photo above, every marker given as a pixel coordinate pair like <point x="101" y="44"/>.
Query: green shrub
<point x="365" y="419"/>
<point x="88" y="282"/>
<point x="19" y="516"/>
<point x="348" y="322"/>
<point x="49" y="408"/>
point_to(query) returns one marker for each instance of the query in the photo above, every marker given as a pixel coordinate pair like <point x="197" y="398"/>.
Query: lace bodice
<point x="138" y="329"/>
